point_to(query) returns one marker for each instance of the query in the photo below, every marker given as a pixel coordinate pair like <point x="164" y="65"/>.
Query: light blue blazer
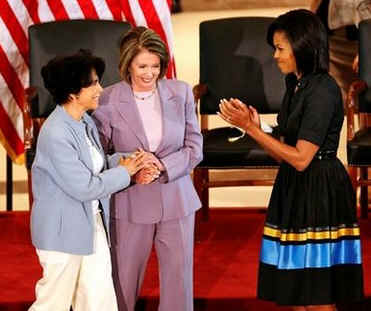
<point x="64" y="185"/>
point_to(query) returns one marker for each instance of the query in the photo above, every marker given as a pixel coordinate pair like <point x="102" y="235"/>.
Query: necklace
<point x="145" y="97"/>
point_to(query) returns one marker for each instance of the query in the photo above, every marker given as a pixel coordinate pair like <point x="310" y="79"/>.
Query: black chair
<point x="359" y="99"/>
<point x="235" y="61"/>
<point x="63" y="38"/>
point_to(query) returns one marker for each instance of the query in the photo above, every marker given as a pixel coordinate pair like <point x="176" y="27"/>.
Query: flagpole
<point x="9" y="184"/>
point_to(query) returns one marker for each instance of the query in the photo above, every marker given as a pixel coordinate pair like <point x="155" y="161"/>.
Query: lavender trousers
<point x="131" y="247"/>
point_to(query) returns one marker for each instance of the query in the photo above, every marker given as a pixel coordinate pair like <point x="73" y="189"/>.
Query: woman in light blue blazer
<point x="71" y="189"/>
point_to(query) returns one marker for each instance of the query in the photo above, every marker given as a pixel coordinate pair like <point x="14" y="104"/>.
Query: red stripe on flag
<point x="11" y="78"/>
<point x="58" y="10"/>
<point x="15" y="29"/>
<point x="170" y="4"/>
<point x="170" y="73"/>
<point x="154" y="22"/>
<point x="9" y="132"/>
<point x="88" y="9"/>
<point x="32" y="7"/>
<point x="126" y="9"/>
<point x="171" y="70"/>
<point x="115" y="9"/>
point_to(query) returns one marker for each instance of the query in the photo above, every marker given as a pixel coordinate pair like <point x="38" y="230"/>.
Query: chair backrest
<point x="236" y="61"/>
<point x="66" y="37"/>
<point x="365" y="64"/>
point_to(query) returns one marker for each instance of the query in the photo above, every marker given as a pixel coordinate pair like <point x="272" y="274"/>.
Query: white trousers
<point x="83" y="282"/>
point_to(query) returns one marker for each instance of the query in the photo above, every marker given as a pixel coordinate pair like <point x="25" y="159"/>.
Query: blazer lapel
<point x="93" y="135"/>
<point x="167" y="100"/>
<point x="128" y="110"/>
<point x="85" y="154"/>
<point x="79" y="129"/>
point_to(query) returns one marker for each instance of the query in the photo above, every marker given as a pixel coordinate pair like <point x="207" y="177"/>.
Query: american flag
<point x="15" y="18"/>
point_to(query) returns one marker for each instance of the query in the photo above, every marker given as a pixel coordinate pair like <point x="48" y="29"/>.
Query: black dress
<point x="311" y="250"/>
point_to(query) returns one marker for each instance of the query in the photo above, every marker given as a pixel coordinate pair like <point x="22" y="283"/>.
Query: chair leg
<point x="201" y="180"/>
<point x="29" y="184"/>
<point x="205" y="194"/>
<point x="364" y="193"/>
<point x="352" y="171"/>
<point x="197" y="233"/>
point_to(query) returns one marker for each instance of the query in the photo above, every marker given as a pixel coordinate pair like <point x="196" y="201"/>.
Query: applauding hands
<point x="238" y="114"/>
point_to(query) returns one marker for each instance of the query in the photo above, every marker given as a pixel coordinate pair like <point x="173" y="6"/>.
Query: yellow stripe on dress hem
<point x="311" y="235"/>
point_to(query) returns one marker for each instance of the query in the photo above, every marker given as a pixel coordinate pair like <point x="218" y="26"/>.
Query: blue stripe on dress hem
<point x="310" y="255"/>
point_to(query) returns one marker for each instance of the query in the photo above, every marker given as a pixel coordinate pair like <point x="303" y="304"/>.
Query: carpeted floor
<point x="226" y="262"/>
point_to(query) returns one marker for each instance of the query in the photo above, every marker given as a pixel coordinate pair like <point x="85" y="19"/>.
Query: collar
<point x="85" y="119"/>
<point x="127" y="95"/>
<point x="292" y="81"/>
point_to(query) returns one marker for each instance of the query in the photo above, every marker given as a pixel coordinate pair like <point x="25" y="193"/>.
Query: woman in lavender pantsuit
<point x="157" y="115"/>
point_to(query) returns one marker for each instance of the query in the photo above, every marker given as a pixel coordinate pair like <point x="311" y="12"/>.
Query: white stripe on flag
<point x="73" y="9"/>
<point x="163" y="13"/>
<point x="20" y="11"/>
<point x="138" y="15"/>
<point x="45" y="14"/>
<point x="11" y="108"/>
<point x="102" y="9"/>
<point x="14" y="57"/>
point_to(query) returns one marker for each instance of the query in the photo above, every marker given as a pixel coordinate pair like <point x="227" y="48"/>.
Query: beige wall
<point x="201" y="5"/>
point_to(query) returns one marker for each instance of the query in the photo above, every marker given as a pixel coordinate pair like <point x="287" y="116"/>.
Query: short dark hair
<point x="308" y="38"/>
<point x="138" y="39"/>
<point x="67" y="75"/>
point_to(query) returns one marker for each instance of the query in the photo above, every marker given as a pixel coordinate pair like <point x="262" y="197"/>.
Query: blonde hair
<point x="138" y="39"/>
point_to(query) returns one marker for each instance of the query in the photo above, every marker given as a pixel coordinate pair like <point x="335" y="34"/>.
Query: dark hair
<point x="133" y="42"/>
<point x="308" y="38"/>
<point x="67" y="75"/>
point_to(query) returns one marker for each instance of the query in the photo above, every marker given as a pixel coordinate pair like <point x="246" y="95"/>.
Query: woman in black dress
<point x="311" y="253"/>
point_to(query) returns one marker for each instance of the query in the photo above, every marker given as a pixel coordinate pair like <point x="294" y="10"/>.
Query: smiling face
<point x="283" y="53"/>
<point x="89" y="96"/>
<point x="144" y="71"/>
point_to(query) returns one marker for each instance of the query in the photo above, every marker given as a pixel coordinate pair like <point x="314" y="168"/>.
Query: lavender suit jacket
<point x="121" y="130"/>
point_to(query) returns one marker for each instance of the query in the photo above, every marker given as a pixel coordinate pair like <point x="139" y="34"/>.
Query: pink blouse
<point x="150" y="111"/>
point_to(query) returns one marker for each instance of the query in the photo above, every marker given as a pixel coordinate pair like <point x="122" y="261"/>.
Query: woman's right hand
<point x="255" y="118"/>
<point x="237" y="114"/>
<point x="135" y="163"/>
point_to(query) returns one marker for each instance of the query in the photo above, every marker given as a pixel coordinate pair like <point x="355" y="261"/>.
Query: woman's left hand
<point x="147" y="175"/>
<point x="237" y="113"/>
<point x="150" y="157"/>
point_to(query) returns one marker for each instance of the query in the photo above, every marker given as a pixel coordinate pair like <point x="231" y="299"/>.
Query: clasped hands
<point x="144" y="167"/>
<point x="238" y="114"/>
